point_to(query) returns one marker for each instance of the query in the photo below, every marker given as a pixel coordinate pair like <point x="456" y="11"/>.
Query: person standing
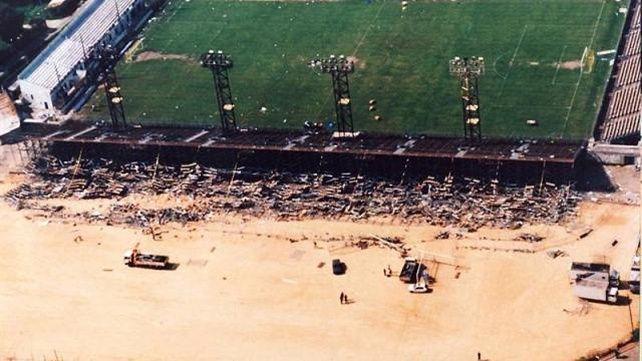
<point x="478" y="356"/>
<point x="341" y="297"/>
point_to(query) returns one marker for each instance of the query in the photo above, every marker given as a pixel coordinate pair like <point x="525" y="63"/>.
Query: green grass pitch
<point x="532" y="50"/>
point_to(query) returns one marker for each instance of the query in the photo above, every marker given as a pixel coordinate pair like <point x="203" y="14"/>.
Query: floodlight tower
<point x="468" y="71"/>
<point x="218" y="62"/>
<point x="108" y="58"/>
<point x="339" y="68"/>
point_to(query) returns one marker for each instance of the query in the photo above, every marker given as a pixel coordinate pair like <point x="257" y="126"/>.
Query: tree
<point x="11" y="21"/>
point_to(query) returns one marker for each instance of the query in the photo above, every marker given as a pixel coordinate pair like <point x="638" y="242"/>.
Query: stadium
<point x="235" y="175"/>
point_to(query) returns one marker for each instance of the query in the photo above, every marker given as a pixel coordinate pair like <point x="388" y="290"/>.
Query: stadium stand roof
<point x="68" y="49"/>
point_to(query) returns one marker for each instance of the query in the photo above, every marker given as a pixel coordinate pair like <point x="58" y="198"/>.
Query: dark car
<point x="410" y="270"/>
<point x="338" y="267"/>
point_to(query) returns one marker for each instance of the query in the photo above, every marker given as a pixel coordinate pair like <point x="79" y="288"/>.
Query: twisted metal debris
<point x="462" y="202"/>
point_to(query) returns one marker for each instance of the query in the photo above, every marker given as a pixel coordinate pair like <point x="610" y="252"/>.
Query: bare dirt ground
<point x="152" y="55"/>
<point x="250" y="288"/>
<point x="571" y="65"/>
<point x="627" y="181"/>
<point x="627" y="178"/>
<point x="357" y="62"/>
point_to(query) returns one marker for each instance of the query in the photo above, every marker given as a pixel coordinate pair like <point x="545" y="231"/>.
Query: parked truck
<point x="634" y="279"/>
<point x="133" y="258"/>
<point x="596" y="291"/>
<point x="595" y="281"/>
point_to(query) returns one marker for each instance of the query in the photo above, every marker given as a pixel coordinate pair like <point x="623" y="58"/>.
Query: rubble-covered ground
<point x="466" y="203"/>
<point x="257" y="277"/>
<point x="67" y="294"/>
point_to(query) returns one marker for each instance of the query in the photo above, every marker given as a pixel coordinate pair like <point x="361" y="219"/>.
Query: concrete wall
<point x="615" y="154"/>
<point x="37" y="96"/>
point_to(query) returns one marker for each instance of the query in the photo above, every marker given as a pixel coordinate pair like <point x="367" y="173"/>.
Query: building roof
<point x="590" y="267"/>
<point x="68" y="49"/>
<point x="9" y="119"/>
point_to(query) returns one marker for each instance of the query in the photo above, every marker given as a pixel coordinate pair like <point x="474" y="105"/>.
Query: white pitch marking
<point x="559" y="63"/>
<point x="512" y="60"/>
<point x="370" y="26"/>
<point x="495" y="65"/>
<point x="579" y="79"/>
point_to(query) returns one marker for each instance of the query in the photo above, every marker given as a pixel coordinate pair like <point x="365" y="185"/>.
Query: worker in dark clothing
<point x="478" y="356"/>
<point x="133" y="256"/>
<point x="341" y="297"/>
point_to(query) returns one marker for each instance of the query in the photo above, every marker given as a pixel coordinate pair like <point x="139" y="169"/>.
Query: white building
<point x="57" y="77"/>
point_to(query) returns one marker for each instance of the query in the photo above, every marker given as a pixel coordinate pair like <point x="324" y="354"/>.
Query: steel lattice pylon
<point x="339" y="68"/>
<point x="468" y="71"/>
<point x="108" y="58"/>
<point x="219" y="63"/>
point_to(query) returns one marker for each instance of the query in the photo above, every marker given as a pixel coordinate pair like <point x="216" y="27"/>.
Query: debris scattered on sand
<point x="554" y="253"/>
<point x="528" y="237"/>
<point x="465" y="203"/>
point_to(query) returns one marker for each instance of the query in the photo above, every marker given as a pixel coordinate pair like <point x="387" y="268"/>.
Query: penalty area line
<point x="511" y="62"/>
<point x="559" y="63"/>
<point x="579" y="78"/>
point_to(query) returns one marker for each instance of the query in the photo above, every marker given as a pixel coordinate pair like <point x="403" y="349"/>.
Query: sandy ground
<point x="253" y="289"/>
<point x="626" y="178"/>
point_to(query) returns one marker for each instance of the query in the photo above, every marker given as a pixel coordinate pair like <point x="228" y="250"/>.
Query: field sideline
<point x="532" y="50"/>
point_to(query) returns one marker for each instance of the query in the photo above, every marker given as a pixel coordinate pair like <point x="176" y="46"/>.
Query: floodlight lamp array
<point x="467" y="66"/>
<point x="333" y="64"/>
<point x="216" y="59"/>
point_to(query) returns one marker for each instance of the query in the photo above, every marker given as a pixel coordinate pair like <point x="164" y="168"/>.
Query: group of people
<point x="387" y="271"/>
<point x="343" y="298"/>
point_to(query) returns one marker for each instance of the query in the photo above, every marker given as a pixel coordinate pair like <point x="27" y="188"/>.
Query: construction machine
<point x="133" y="258"/>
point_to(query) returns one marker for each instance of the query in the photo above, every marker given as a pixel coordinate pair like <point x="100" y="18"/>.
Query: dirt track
<point x="252" y="289"/>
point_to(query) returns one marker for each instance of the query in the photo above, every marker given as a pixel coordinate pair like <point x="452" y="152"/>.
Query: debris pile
<point x="443" y="235"/>
<point x="466" y="203"/>
<point x="529" y="237"/>
<point x="554" y="253"/>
